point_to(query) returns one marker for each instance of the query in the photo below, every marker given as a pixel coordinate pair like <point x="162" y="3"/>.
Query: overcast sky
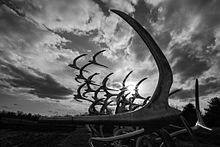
<point x="34" y="72"/>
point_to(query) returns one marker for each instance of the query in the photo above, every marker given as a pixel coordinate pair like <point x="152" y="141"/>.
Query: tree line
<point x="212" y="113"/>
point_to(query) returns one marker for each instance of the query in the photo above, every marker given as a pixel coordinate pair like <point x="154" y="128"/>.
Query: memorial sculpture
<point x="130" y="119"/>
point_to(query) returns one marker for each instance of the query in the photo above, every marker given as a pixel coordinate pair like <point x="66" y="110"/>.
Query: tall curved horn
<point x="74" y="65"/>
<point x="126" y="77"/>
<point x="200" y="121"/>
<point x="156" y="113"/>
<point x="136" y="94"/>
<point x="165" y="73"/>
<point x="93" y="61"/>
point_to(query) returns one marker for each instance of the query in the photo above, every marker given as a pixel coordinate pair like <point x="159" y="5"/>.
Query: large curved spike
<point x="82" y="69"/>
<point x="105" y="88"/>
<point x="156" y="113"/>
<point x="94" y="57"/>
<point x="138" y="84"/>
<point x="94" y="61"/>
<point x="174" y="91"/>
<point x="119" y="137"/>
<point x="78" y="97"/>
<point x="74" y="65"/>
<point x="92" y="76"/>
<point x="200" y="121"/>
<point x="199" y="117"/>
<point x="136" y="94"/>
<point x="89" y="82"/>
<point x="165" y="73"/>
<point x="81" y="76"/>
<point x="126" y="77"/>
<point x="104" y="81"/>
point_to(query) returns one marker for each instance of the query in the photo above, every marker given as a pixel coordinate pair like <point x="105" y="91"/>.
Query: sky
<point x="38" y="39"/>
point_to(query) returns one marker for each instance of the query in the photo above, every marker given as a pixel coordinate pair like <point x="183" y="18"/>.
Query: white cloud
<point x="154" y="2"/>
<point x="124" y="5"/>
<point x="68" y="15"/>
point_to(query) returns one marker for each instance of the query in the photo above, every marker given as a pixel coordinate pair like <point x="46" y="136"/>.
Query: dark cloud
<point x="210" y="79"/>
<point x="18" y="28"/>
<point x="31" y="6"/>
<point x="139" y="48"/>
<point x="211" y="86"/>
<point x="188" y="65"/>
<point x="177" y="13"/>
<point x="145" y="14"/>
<point x="40" y="84"/>
<point x="103" y="6"/>
<point x="184" y="94"/>
<point x="79" y="41"/>
<point x="163" y="39"/>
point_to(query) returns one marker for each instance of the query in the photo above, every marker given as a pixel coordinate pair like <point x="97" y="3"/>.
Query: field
<point x="79" y="138"/>
<point x="18" y="138"/>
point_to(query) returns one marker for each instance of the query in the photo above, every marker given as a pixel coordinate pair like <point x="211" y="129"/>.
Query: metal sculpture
<point x="153" y="116"/>
<point x="74" y="65"/>
<point x="93" y="61"/>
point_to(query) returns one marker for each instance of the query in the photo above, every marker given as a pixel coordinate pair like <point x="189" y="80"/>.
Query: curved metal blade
<point x="165" y="73"/>
<point x="126" y="77"/>
<point x="118" y="137"/>
<point x="200" y="121"/>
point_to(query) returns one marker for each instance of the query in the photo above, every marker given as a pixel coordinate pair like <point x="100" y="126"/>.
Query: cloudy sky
<point x="34" y="72"/>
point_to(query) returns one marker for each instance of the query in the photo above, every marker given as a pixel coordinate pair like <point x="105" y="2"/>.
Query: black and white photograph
<point x="109" y="73"/>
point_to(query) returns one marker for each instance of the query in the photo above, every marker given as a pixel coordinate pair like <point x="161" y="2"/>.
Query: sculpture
<point x="152" y="116"/>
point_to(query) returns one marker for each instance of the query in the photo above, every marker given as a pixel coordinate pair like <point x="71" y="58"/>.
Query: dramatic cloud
<point x="36" y="82"/>
<point x="124" y="5"/>
<point x="36" y="48"/>
<point x="188" y="65"/>
<point x="208" y="86"/>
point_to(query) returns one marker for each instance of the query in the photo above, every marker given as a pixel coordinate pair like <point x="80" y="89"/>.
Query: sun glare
<point x="131" y="87"/>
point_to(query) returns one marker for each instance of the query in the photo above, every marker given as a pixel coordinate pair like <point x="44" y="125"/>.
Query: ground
<point x="79" y="138"/>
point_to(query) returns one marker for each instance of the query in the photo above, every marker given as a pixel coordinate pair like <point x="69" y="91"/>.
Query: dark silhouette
<point x="212" y="115"/>
<point x="19" y="115"/>
<point x="189" y="113"/>
<point x="151" y="118"/>
<point x="93" y="61"/>
<point x="74" y="62"/>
